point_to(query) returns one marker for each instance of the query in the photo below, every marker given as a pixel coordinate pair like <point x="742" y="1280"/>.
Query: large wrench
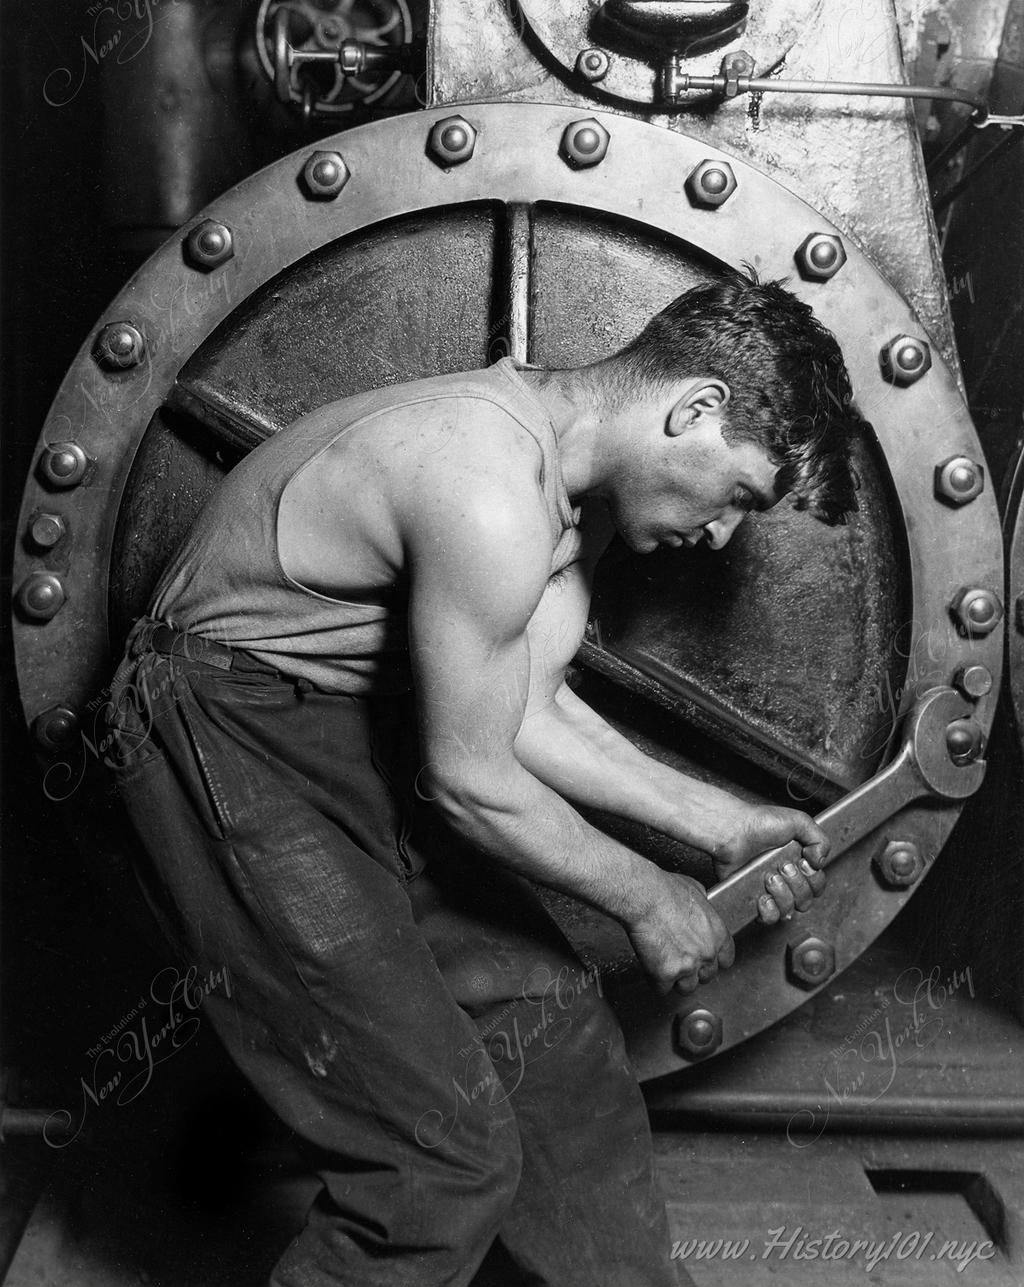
<point x="924" y="766"/>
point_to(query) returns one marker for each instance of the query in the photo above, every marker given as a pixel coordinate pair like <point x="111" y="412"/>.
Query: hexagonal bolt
<point x="964" y="741"/>
<point x="959" y="480"/>
<point x="711" y="184"/>
<point x="584" y="143"/>
<point x="56" y="728"/>
<point x="592" y="65"/>
<point x="119" y="346"/>
<point x="209" y="245"/>
<point x="899" y="864"/>
<point x="47" y="530"/>
<point x="324" y="175"/>
<point x="63" y="464"/>
<point x="811" y="961"/>
<point x="976" y="611"/>
<point x="451" y="141"/>
<point x="820" y="256"/>
<point x="973" y="681"/>
<point x="905" y="359"/>
<point x="698" y="1033"/>
<point x="41" y="596"/>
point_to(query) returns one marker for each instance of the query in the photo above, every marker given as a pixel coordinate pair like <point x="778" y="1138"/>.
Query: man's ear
<point x="706" y="395"/>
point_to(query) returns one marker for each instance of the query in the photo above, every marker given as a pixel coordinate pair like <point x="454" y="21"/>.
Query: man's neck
<point x="583" y="422"/>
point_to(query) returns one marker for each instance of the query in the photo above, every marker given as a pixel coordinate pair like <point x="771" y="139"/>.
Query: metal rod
<point x="520" y="237"/>
<point x="775" y="1109"/>
<point x="762" y="85"/>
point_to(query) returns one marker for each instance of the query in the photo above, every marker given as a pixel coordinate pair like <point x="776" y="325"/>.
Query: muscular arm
<point x="478" y="548"/>
<point x="567" y="745"/>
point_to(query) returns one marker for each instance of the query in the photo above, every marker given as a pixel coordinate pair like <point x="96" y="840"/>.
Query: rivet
<point x="209" y="245"/>
<point x="55" y="728"/>
<point x="592" y="64"/>
<point x="119" y="346"/>
<point x="711" y="184"/>
<point x="698" y="1033"/>
<point x="964" y="741"/>
<point x="973" y="681"/>
<point x="820" y="256"/>
<point x="41" y="596"/>
<point x="584" y="143"/>
<point x="451" y="141"/>
<point x="977" y="611"/>
<point x="63" y="464"/>
<point x="959" y="480"/>
<point x="811" y="961"/>
<point x="899" y="864"/>
<point x="324" y="175"/>
<point x="905" y="359"/>
<point x="47" y="530"/>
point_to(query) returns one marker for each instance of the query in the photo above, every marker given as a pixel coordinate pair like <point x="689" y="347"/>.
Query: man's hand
<point x="799" y="879"/>
<point x="678" y="936"/>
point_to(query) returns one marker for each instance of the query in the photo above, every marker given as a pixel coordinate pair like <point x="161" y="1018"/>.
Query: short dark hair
<point x="790" y="388"/>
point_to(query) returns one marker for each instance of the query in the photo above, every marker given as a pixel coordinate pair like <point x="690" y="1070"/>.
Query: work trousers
<point x="404" y="1005"/>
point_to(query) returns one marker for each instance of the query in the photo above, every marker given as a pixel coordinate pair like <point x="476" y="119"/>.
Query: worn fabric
<point x="226" y="581"/>
<point x="407" y="1008"/>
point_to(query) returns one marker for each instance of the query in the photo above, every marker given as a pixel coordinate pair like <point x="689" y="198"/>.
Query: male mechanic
<point x="347" y="740"/>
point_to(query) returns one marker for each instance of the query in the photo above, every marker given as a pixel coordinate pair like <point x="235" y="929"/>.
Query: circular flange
<point x="65" y="662"/>
<point x="572" y="33"/>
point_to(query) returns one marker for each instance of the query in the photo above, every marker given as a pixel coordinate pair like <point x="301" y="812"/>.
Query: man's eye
<point x="743" y="500"/>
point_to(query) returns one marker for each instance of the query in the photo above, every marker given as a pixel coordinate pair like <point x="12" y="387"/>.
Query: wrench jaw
<point x="924" y="766"/>
<point x="929" y="734"/>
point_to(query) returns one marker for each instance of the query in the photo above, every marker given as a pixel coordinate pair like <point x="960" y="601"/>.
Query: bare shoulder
<point x="464" y="487"/>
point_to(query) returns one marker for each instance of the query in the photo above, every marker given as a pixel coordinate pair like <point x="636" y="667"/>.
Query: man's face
<point x="693" y="486"/>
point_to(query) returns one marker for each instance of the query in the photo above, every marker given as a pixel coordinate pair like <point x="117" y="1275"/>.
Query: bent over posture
<point x="349" y="739"/>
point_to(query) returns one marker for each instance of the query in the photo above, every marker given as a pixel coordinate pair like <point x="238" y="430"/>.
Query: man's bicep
<point x="471" y="598"/>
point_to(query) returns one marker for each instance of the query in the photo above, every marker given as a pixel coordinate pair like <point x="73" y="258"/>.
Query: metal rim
<point x="519" y="158"/>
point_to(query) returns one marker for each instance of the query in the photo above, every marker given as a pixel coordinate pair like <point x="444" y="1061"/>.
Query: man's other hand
<point x="798" y="878"/>
<point x="678" y="936"/>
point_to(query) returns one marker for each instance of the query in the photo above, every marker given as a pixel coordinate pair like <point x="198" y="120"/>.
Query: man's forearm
<point x="516" y="819"/>
<point x="570" y="748"/>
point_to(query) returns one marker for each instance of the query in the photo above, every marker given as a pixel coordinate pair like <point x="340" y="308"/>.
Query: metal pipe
<point x="681" y="83"/>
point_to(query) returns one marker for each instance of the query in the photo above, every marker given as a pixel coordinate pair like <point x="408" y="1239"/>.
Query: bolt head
<point x="820" y="256"/>
<point x="41" y="596"/>
<point x="973" y="681"/>
<point x="810" y="961"/>
<point x="63" y="464"/>
<point x="899" y="864"/>
<point x="55" y="728"/>
<point x="324" y="175"/>
<point x="118" y="347"/>
<point x="959" y="480"/>
<point x="964" y="740"/>
<point x="451" y="141"/>
<point x="47" y="530"/>
<point x="584" y="143"/>
<point x="976" y="611"/>
<point x="905" y="359"/>
<point x="697" y="1033"/>
<point x="711" y="184"/>
<point x="592" y="65"/>
<point x="209" y="245"/>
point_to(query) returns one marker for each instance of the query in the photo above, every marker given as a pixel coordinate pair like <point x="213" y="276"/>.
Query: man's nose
<point x="721" y="529"/>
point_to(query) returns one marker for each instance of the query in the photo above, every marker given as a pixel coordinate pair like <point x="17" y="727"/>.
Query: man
<point x="347" y="738"/>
